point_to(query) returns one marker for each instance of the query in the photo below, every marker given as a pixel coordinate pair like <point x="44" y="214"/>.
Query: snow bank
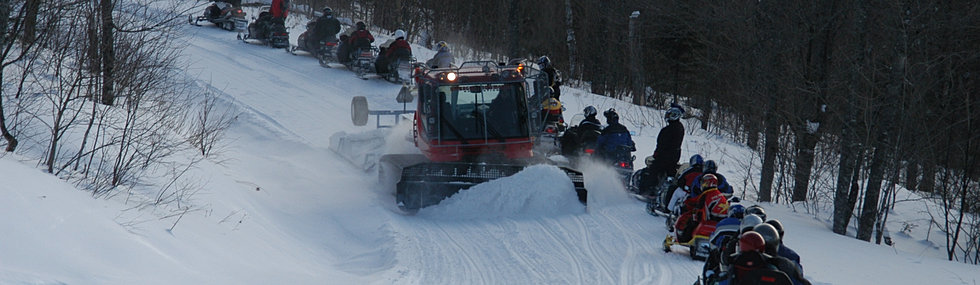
<point x="540" y="190"/>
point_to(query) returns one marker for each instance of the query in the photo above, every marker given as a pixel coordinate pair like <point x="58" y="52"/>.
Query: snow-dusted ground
<point x="283" y="209"/>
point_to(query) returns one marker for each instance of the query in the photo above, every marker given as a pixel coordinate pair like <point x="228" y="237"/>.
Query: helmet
<point x="673" y="114"/>
<point x="544" y="61"/>
<point x="779" y="227"/>
<point x="709" y="181"/>
<point x="611" y="115"/>
<point x="327" y="11"/>
<point x="751" y="241"/>
<point x="736" y="211"/>
<point x="770" y="235"/>
<point x="649" y="161"/>
<point x="756" y="210"/>
<point x="710" y="167"/>
<point x="590" y="111"/>
<point x="399" y="34"/>
<point x="442" y="46"/>
<point x="360" y="25"/>
<point x="749" y="222"/>
<point x="697" y="160"/>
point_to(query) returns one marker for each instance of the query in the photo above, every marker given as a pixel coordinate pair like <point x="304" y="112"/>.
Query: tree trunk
<point x="845" y="195"/>
<point x="31" y="8"/>
<point x="912" y="175"/>
<point x="869" y="211"/>
<point x="570" y="39"/>
<point x="108" y="52"/>
<point x="928" y="183"/>
<point x="4" y="25"/>
<point x="515" y="40"/>
<point x="806" y="142"/>
<point x="639" y="95"/>
<point x="769" y="154"/>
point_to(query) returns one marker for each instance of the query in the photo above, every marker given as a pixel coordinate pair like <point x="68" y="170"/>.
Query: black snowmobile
<point x="325" y="51"/>
<point x="222" y="14"/>
<point x="268" y="30"/>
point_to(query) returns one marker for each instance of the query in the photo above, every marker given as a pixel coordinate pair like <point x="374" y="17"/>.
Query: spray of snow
<point x="543" y="190"/>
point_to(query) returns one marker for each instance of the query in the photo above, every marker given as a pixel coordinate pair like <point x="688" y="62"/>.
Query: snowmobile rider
<point x="326" y="29"/>
<point x="443" y="58"/>
<point x="615" y="142"/>
<point x="551" y="109"/>
<point x="582" y="136"/>
<point x="668" y="151"/>
<point x="783" y="250"/>
<point x="554" y="77"/>
<point x="280" y="9"/>
<point x="710" y="205"/>
<point x="710" y="167"/>
<point x="399" y="48"/>
<point x="680" y="188"/>
<point x="359" y="38"/>
<point x="783" y="264"/>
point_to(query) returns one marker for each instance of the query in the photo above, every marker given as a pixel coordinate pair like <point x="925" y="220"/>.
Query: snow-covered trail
<point x="291" y="106"/>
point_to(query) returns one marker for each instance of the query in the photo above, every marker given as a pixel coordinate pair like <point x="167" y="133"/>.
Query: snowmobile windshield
<point x="483" y="111"/>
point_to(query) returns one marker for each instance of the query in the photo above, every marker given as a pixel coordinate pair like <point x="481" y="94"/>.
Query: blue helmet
<point x="673" y="114"/>
<point x="697" y="160"/>
<point x="710" y="167"/>
<point x="736" y="211"/>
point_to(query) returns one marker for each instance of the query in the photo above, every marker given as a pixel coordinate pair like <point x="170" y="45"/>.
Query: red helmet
<point x="709" y="181"/>
<point x="751" y="241"/>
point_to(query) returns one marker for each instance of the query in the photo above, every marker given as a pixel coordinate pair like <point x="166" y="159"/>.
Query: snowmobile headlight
<point x="451" y="76"/>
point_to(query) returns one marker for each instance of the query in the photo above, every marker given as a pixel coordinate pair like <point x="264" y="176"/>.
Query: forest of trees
<point x="91" y="89"/>
<point x="843" y="100"/>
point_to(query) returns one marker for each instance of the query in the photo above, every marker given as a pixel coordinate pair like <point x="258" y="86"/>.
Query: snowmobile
<point x="325" y="51"/>
<point x="699" y="246"/>
<point x="472" y="124"/>
<point x="223" y="15"/>
<point x="576" y="142"/>
<point x="270" y="31"/>
<point x="400" y="70"/>
<point x="362" y="60"/>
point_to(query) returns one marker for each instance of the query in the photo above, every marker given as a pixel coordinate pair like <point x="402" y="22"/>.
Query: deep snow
<point x="284" y="209"/>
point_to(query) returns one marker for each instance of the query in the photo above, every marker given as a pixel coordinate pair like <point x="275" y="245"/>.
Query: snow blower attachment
<point x="472" y="124"/>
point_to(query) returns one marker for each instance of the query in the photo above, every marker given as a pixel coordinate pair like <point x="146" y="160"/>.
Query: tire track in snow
<point x="460" y="250"/>
<point x="590" y="245"/>
<point x="579" y="271"/>
<point x="521" y="253"/>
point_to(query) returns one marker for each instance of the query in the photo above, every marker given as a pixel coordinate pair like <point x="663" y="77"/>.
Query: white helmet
<point x="399" y="34"/>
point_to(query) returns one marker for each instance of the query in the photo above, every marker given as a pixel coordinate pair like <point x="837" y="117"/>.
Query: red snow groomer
<point x="472" y="124"/>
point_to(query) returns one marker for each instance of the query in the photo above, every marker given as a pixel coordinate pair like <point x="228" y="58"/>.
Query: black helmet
<point x="361" y="25"/>
<point x="710" y="167"/>
<point x="611" y="115"/>
<point x="590" y="111"/>
<point x="770" y="235"/>
<point x="544" y="61"/>
<point x="327" y="11"/>
<point x="779" y="227"/>
<point x="756" y="210"/>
